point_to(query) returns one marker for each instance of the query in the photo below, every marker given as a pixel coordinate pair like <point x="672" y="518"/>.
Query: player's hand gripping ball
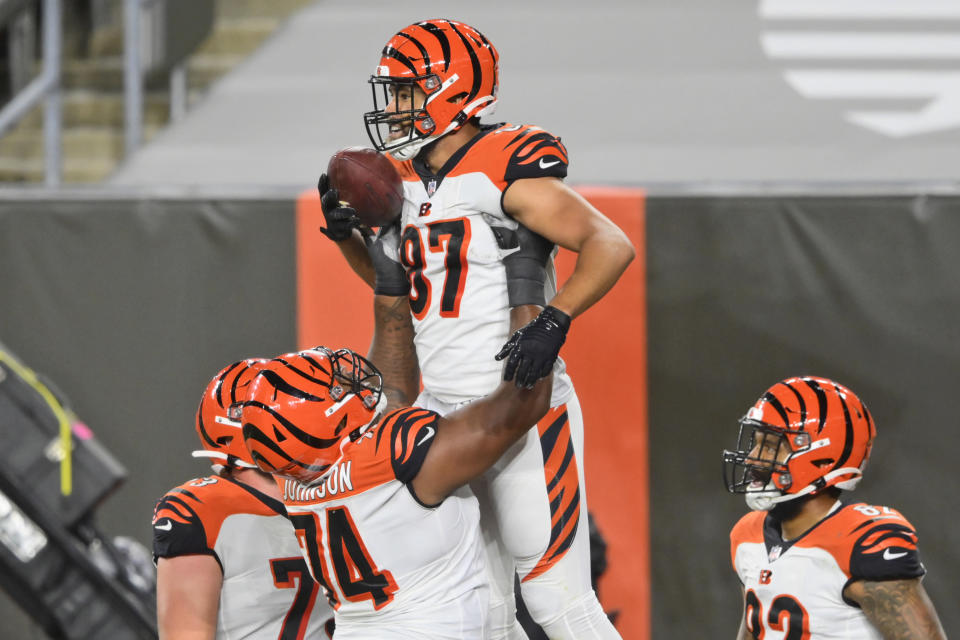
<point x="368" y="182"/>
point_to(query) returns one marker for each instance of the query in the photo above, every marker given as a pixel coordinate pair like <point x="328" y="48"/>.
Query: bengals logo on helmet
<point x="804" y="434"/>
<point x="455" y="69"/>
<point x="302" y="407"/>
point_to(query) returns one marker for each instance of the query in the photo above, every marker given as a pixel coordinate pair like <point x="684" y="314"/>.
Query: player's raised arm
<point x="394" y="351"/>
<point x="469" y="440"/>
<point x="899" y="609"/>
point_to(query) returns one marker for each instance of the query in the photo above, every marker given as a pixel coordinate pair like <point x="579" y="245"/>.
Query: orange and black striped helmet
<point x="454" y="66"/>
<point x="219" y="431"/>
<point x="302" y="408"/>
<point x="804" y="434"/>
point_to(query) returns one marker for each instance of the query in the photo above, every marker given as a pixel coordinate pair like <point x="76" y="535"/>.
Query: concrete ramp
<point x="643" y="93"/>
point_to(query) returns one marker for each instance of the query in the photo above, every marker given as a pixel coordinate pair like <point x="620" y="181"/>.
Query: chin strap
<point x="770" y="496"/>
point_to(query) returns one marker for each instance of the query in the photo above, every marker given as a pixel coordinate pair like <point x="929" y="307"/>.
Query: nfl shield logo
<point x="431" y="187"/>
<point x="774" y="553"/>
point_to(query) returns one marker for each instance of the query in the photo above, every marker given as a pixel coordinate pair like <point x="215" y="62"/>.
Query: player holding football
<point x="228" y="562"/>
<point x="468" y="286"/>
<point x="814" y="566"/>
<point x="370" y="495"/>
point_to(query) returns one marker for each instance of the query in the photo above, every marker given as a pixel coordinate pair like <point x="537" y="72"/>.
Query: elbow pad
<point x="525" y="262"/>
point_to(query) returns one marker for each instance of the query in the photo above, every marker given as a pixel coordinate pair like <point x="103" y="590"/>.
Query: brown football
<point x="368" y="181"/>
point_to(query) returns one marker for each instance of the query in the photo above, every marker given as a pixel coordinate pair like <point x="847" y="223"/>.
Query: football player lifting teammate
<point x="466" y="276"/>
<point x="370" y="494"/>
<point x="814" y="566"/>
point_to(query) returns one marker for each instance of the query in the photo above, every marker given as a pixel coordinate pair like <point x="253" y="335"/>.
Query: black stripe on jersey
<point x="886" y="551"/>
<point x="474" y="62"/>
<point x="272" y="503"/>
<point x="549" y="438"/>
<point x="179" y="538"/>
<point x="441" y="37"/>
<point x="544" y="147"/>
<point x="411" y="432"/>
<point x="420" y="165"/>
<point x="517" y="138"/>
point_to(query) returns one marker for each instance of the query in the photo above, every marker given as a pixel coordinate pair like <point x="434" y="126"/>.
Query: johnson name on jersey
<point x="393" y="566"/>
<point x="458" y="291"/>
<point x="267" y="590"/>
<point x="794" y="589"/>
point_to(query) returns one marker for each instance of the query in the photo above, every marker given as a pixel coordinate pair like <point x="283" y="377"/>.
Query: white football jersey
<point x="795" y="589"/>
<point x="267" y="591"/>
<point x="458" y="288"/>
<point x="394" y="567"/>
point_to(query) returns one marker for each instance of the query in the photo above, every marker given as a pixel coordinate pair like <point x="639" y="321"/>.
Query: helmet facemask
<point x="759" y="467"/>
<point x="402" y="133"/>
<point x="823" y="438"/>
<point x="304" y="408"/>
<point x="455" y="69"/>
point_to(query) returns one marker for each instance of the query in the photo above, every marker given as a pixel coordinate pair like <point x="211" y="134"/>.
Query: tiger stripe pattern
<point x="563" y="487"/>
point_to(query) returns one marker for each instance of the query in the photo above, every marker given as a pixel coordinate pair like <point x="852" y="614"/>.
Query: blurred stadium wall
<point x="130" y="305"/>
<point x="800" y="215"/>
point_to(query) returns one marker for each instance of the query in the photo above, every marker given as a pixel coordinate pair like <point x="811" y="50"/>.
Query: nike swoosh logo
<point x="168" y="526"/>
<point x="887" y="555"/>
<point x="547" y="165"/>
<point x="430" y="433"/>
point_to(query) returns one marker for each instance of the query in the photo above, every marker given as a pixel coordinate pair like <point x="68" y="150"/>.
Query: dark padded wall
<point x="129" y="307"/>
<point x="743" y="292"/>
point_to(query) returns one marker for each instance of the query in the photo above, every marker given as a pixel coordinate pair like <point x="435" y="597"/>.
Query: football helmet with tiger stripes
<point x="803" y="435"/>
<point x="302" y="408"/>
<point x="454" y="66"/>
<point x="219" y="430"/>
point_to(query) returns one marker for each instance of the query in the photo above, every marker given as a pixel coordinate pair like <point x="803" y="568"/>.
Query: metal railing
<point x="46" y="87"/>
<point x="133" y="71"/>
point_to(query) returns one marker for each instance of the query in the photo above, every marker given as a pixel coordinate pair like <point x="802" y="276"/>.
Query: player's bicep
<point x="899" y="609"/>
<point x="459" y="453"/>
<point x="188" y="597"/>
<point x="557" y="212"/>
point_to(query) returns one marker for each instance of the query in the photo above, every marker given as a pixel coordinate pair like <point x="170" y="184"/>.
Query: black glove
<point x="384" y="250"/>
<point x="533" y="349"/>
<point x="341" y="221"/>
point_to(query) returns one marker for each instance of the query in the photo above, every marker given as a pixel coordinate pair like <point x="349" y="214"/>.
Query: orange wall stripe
<point x="607" y="356"/>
